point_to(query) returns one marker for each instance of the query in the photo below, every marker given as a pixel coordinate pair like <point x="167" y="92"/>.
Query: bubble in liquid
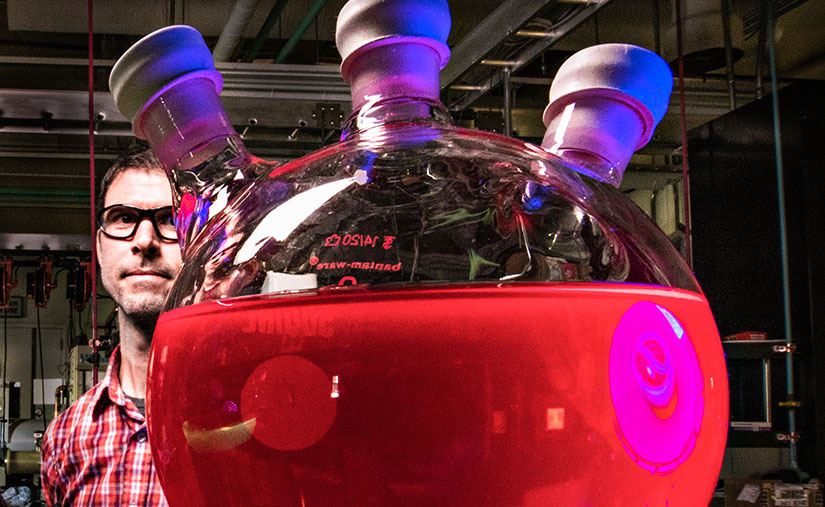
<point x="290" y="399"/>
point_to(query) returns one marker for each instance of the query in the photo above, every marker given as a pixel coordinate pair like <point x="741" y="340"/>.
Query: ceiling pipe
<point x="66" y="130"/>
<point x="769" y="23"/>
<point x="508" y="102"/>
<point x="488" y="34"/>
<point x="68" y="197"/>
<point x="290" y="44"/>
<point x="728" y="54"/>
<point x="506" y="19"/>
<point x="704" y="33"/>
<point x="657" y="31"/>
<point x="272" y="18"/>
<point x="760" y="54"/>
<point x="234" y="29"/>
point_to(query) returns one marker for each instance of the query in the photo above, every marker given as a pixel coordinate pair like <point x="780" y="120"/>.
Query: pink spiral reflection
<point x="656" y="387"/>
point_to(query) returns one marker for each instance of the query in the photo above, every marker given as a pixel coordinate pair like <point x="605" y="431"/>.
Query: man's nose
<point x="146" y="239"/>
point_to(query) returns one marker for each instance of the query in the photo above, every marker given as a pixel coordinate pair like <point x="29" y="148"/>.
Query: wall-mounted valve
<point x="39" y="284"/>
<point x="7" y="282"/>
<point x="79" y="285"/>
<point x="249" y="124"/>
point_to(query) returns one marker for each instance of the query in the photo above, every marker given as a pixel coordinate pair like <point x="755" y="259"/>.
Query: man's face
<point x="138" y="272"/>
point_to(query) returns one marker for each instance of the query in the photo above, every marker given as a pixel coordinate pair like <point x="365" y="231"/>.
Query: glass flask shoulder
<point x="419" y="201"/>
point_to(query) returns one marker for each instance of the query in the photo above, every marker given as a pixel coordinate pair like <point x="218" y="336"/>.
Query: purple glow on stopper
<point x="404" y="68"/>
<point x="657" y="388"/>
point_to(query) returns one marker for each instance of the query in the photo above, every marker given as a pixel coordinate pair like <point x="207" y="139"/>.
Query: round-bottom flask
<point x="428" y="315"/>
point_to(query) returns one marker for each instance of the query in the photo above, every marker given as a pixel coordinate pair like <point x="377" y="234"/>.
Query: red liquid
<point x="477" y="396"/>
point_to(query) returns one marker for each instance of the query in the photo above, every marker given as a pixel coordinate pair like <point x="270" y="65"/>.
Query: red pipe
<point x="683" y="122"/>
<point x="92" y="189"/>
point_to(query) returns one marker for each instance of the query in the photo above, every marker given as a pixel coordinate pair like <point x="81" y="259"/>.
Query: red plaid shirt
<point x="96" y="451"/>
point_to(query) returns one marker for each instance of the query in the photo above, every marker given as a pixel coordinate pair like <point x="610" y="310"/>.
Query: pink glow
<point x="657" y="388"/>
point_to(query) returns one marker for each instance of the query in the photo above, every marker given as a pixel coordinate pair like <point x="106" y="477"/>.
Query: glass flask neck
<point x="394" y="81"/>
<point x="598" y="130"/>
<point x="181" y="119"/>
<point x="190" y="132"/>
<point x="397" y="110"/>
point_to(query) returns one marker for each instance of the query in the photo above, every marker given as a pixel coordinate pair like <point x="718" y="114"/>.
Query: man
<point x="96" y="452"/>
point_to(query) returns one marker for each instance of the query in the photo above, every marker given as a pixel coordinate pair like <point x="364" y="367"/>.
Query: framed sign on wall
<point x="16" y="308"/>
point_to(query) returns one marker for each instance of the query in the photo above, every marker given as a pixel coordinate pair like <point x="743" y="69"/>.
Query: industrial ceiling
<point x="284" y="93"/>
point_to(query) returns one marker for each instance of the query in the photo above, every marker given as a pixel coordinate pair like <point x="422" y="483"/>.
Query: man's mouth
<point x="146" y="273"/>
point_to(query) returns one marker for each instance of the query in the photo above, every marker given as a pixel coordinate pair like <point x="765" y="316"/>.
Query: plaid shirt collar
<point x="110" y="391"/>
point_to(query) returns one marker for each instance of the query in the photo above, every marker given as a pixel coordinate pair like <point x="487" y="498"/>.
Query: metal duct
<point x="752" y="19"/>
<point x="234" y="29"/>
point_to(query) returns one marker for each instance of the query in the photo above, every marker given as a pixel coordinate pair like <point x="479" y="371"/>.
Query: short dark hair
<point x="139" y="156"/>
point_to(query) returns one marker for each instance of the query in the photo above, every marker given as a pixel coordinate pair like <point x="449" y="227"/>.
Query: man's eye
<point x="165" y="219"/>
<point x="122" y="217"/>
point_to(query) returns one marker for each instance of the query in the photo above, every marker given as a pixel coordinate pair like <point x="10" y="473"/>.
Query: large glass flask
<point x="419" y="314"/>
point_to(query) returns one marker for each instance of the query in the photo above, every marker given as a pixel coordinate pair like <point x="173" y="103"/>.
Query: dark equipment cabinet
<point x="736" y="240"/>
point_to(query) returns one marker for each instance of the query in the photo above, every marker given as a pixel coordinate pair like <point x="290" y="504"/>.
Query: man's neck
<point x="134" y="353"/>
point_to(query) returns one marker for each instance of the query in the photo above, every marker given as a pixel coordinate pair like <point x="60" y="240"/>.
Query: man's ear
<point x="97" y="247"/>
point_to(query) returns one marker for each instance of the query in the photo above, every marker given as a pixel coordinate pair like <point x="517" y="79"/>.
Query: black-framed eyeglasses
<point x="120" y="221"/>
